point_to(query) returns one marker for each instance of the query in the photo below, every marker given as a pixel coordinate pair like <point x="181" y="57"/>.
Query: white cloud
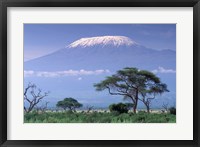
<point x="80" y="78"/>
<point x="28" y="73"/>
<point x="31" y="73"/>
<point x="163" y="70"/>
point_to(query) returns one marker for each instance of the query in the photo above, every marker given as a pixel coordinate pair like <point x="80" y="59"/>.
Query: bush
<point x="172" y="110"/>
<point x="120" y="108"/>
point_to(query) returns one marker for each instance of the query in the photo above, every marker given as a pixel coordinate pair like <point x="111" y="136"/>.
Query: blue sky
<point x="41" y="39"/>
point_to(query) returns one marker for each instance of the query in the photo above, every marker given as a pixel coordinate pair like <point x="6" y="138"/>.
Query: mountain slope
<point x="107" y="52"/>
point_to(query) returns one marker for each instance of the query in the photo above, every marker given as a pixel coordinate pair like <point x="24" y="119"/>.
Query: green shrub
<point x="120" y="108"/>
<point x="172" y="110"/>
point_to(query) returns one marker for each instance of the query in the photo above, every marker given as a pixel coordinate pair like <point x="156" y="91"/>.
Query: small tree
<point x="165" y="106"/>
<point x="150" y="94"/>
<point x="89" y="108"/>
<point x="42" y="108"/>
<point x="69" y="103"/>
<point x="32" y="96"/>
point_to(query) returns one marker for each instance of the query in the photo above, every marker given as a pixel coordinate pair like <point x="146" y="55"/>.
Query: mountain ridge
<point x="84" y="58"/>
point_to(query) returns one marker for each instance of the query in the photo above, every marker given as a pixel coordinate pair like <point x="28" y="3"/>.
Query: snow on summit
<point x="102" y="40"/>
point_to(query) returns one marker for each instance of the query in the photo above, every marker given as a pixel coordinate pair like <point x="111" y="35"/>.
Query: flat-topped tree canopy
<point x="69" y="103"/>
<point x="132" y="83"/>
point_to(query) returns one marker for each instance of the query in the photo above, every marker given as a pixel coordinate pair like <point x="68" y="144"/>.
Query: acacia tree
<point x="69" y="103"/>
<point x="129" y="83"/>
<point x="149" y="94"/>
<point x="32" y="96"/>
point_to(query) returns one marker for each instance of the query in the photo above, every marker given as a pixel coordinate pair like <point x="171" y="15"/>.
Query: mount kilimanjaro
<point x="104" y="52"/>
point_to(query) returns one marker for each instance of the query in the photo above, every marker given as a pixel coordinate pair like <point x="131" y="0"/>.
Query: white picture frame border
<point x="181" y="130"/>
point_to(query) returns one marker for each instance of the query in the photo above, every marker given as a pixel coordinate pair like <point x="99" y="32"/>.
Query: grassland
<point x="98" y="117"/>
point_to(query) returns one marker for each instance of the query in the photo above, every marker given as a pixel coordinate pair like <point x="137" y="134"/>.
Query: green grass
<point x="98" y="117"/>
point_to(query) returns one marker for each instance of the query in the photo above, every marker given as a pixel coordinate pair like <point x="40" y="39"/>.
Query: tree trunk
<point x="135" y="106"/>
<point x="136" y="102"/>
<point x="147" y="106"/>
<point x="148" y="109"/>
<point x="134" y="109"/>
<point x="25" y="109"/>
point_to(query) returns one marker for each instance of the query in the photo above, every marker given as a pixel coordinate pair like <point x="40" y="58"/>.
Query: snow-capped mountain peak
<point x="103" y="41"/>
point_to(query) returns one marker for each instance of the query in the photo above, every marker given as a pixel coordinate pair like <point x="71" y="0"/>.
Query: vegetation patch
<point x="98" y="117"/>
